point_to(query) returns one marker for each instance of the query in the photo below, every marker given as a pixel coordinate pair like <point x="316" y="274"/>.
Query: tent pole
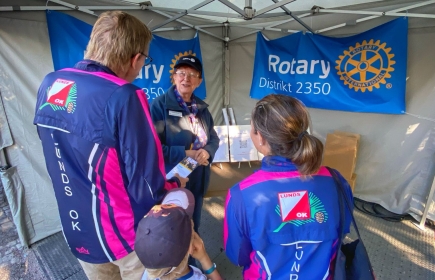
<point x="108" y="8"/>
<point x="188" y="24"/>
<point x="73" y="7"/>
<point x="270" y="26"/>
<point x="233" y="7"/>
<point x="375" y="13"/>
<point x="273" y="7"/>
<point x="201" y="13"/>
<point x="427" y="206"/>
<point x="182" y="14"/>
<point x="64" y="8"/>
<point x="171" y="19"/>
<point x="266" y="28"/>
<point x="294" y="17"/>
<point x="226" y="58"/>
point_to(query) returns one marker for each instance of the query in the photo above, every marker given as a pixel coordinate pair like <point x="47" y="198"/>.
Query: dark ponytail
<point x="283" y="122"/>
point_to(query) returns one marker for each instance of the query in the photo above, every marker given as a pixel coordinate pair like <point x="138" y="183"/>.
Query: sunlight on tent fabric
<point x="408" y="166"/>
<point x="411" y="128"/>
<point x="422" y="144"/>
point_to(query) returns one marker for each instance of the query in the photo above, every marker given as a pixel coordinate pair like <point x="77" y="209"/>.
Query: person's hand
<point x="183" y="181"/>
<point x="197" y="250"/>
<point x="191" y="153"/>
<point x="202" y="157"/>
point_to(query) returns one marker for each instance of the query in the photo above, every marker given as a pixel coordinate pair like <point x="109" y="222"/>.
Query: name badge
<point x="175" y="114"/>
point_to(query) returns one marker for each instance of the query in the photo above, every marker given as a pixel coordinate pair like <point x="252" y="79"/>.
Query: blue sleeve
<point x="237" y="243"/>
<point x="131" y="127"/>
<point x="171" y="154"/>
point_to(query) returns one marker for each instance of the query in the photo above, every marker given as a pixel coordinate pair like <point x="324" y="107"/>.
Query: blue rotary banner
<point x="360" y="73"/>
<point x="69" y="37"/>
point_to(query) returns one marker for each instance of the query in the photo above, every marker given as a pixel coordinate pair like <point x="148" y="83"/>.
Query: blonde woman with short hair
<point x="101" y="149"/>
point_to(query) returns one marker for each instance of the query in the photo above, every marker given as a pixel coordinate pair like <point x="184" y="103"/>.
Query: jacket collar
<point x="93" y="66"/>
<point x="172" y="103"/>
<point x="277" y="164"/>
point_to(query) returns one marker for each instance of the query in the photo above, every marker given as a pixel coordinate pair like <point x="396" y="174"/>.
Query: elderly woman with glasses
<point x="185" y="128"/>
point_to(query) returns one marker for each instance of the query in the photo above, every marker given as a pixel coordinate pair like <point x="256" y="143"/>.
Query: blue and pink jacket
<point x="279" y="225"/>
<point x="103" y="156"/>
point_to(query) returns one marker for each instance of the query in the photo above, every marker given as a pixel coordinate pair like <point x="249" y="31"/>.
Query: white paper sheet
<point x="241" y="146"/>
<point x="183" y="168"/>
<point x="223" y="152"/>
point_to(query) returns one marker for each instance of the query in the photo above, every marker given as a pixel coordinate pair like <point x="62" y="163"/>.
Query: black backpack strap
<point x="342" y="194"/>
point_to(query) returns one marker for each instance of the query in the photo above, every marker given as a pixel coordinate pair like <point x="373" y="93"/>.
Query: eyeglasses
<point x="183" y="74"/>
<point x="148" y="59"/>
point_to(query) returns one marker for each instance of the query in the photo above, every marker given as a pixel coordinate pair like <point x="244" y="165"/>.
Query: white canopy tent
<point x="395" y="162"/>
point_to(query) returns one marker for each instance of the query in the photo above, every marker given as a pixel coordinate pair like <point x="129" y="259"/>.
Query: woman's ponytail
<point x="283" y="122"/>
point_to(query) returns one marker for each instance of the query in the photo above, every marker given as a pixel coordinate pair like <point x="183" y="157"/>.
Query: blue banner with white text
<point x="69" y="37"/>
<point x="360" y="73"/>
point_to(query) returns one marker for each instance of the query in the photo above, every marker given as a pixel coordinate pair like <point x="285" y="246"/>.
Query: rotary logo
<point x="175" y="59"/>
<point x="366" y="65"/>
<point x="62" y="95"/>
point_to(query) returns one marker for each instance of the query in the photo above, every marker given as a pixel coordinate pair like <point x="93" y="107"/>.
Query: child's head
<point x="164" y="235"/>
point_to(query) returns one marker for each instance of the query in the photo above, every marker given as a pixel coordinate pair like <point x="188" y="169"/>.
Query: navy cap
<point x="163" y="236"/>
<point x="191" y="61"/>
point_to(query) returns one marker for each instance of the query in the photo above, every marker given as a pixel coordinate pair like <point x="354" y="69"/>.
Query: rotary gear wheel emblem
<point x="366" y="65"/>
<point x="175" y="59"/>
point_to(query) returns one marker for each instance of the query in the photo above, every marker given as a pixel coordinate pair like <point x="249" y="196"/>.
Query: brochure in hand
<point x="183" y="168"/>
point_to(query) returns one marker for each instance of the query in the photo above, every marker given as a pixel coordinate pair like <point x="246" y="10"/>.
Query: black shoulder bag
<point x="352" y="261"/>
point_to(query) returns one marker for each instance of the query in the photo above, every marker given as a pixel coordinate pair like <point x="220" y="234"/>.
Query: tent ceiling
<point x="224" y="6"/>
<point x="285" y="16"/>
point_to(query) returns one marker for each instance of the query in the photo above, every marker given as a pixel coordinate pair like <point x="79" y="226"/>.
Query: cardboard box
<point x="344" y="133"/>
<point x="352" y="181"/>
<point x="341" y="149"/>
<point x="221" y="179"/>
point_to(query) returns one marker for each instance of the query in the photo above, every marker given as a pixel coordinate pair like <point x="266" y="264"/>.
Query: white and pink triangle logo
<point x="58" y="93"/>
<point x="294" y="206"/>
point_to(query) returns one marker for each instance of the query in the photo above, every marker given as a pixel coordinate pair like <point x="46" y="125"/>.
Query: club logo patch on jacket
<point x="299" y="208"/>
<point x="62" y="95"/>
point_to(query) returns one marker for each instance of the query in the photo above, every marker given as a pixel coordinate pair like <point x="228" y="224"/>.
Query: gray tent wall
<point x="25" y="59"/>
<point x="395" y="163"/>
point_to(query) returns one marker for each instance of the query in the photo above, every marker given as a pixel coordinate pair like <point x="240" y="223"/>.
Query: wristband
<point x="176" y="180"/>
<point x="210" y="270"/>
